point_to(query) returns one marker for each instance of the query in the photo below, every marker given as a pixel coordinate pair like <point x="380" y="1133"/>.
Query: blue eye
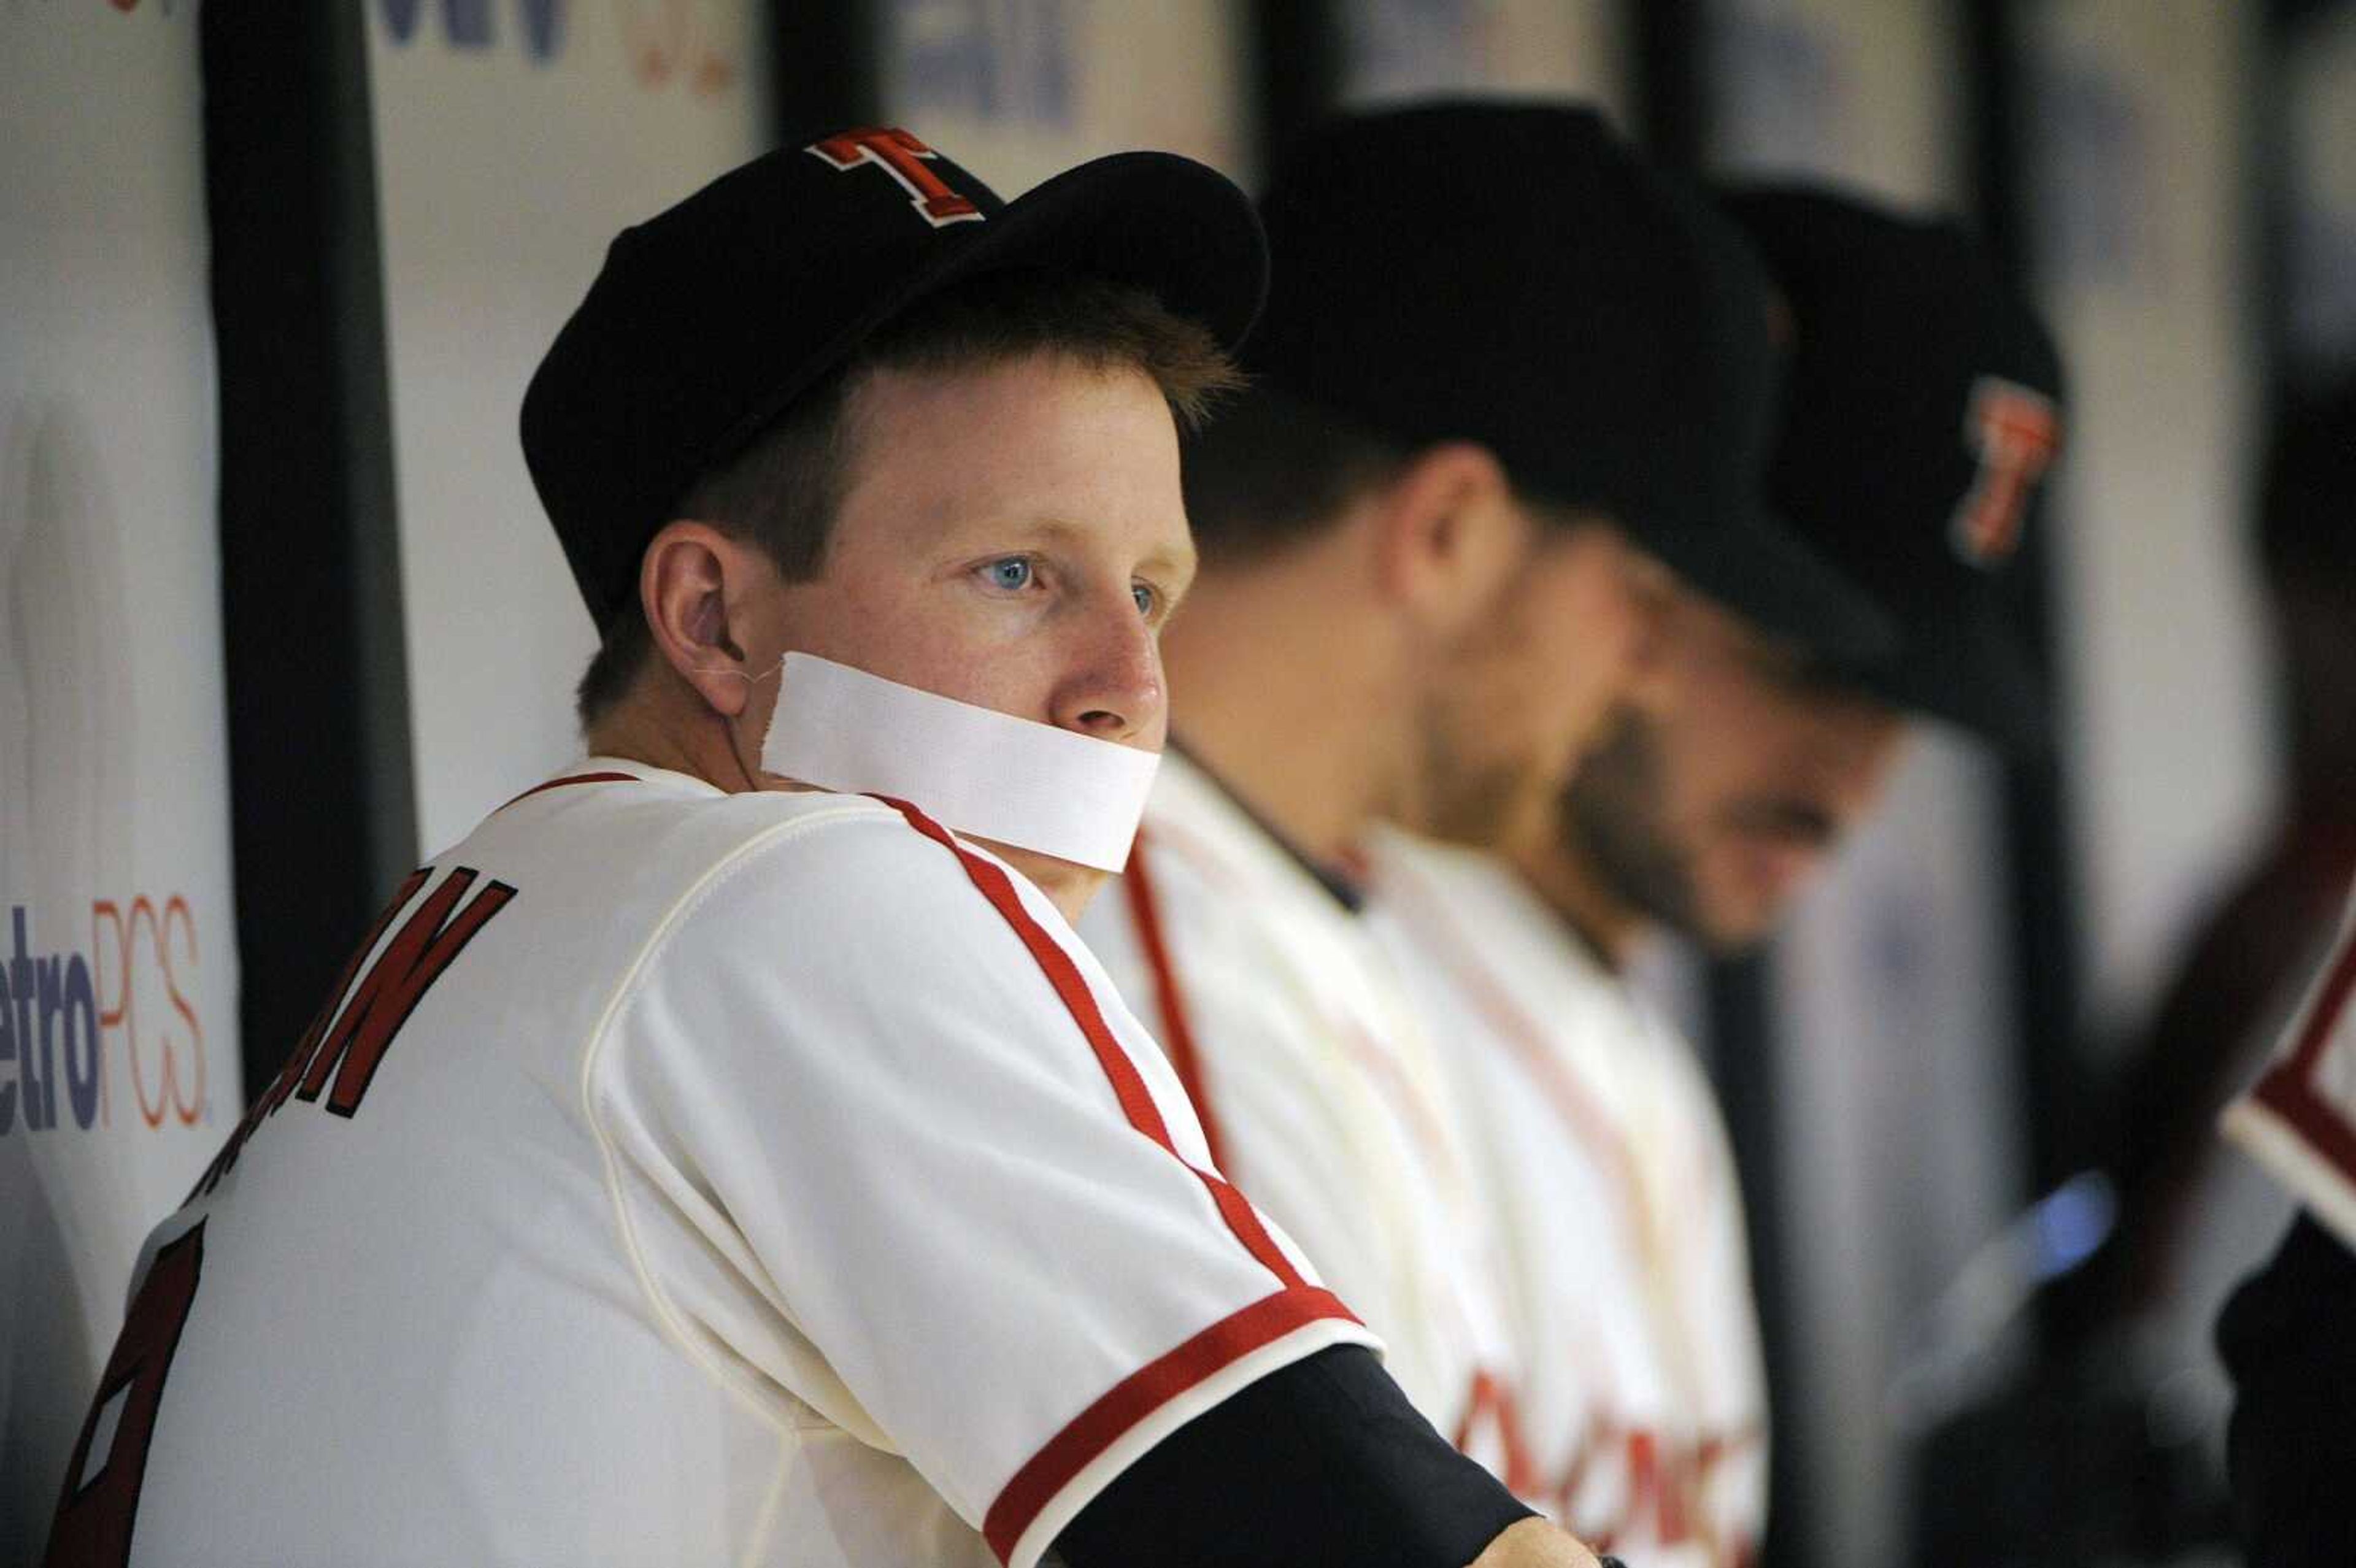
<point x="1146" y="598"/>
<point x="1012" y="574"/>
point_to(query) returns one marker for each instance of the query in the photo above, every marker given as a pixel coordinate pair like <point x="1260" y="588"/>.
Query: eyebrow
<point x="1061" y="530"/>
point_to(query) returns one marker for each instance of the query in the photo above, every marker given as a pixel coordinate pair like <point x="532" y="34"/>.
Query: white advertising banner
<point x="1019" y="89"/>
<point x="1394" y="50"/>
<point x="513" y="142"/>
<point x="118" y="963"/>
<point x="2141" y="203"/>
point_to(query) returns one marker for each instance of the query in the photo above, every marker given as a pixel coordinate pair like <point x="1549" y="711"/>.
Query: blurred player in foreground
<point x="699" y="1167"/>
<point x="1918" y="415"/>
<point x="1503" y="368"/>
<point x="2285" y="1336"/>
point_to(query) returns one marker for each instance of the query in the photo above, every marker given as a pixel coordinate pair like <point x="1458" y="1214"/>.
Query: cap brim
<point x="1970" y="669"/>
<point x="1771" y="579"/>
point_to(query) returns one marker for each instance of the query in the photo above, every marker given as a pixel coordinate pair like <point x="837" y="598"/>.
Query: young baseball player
<point x="697" y="1166"/>
<point x="1918" y="413"/>
<point x="1503" y="364"/>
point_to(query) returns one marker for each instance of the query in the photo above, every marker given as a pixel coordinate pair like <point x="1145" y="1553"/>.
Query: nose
<point x="1111" y="685"/>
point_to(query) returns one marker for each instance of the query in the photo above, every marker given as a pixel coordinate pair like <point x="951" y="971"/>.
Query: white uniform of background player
<point x="1318" y="1087"/>
<point x="1616" y="1200"/>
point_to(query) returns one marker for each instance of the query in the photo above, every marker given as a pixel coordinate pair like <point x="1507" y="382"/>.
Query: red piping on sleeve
<point x="1142" y="1393"/>
<point x="1128" y="1085"/>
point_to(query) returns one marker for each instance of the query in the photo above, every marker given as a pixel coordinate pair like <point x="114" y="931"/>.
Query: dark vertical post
<point x="1744" y="1050"/>
<point x="2040" y="856"/>
<point x="322" y="807"/>
<point x="1296" y="60"/>
<point x="1670" y="41"/>
<point x="826" y="60"/>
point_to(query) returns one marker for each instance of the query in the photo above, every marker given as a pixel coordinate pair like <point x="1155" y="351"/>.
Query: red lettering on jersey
<point x="386" y="996"/>
<point x="1492" y="1433"/>
<point x="109" y="1465"/>
<point x="902" y="157"/>
<point x="1663" y="1494"/>
<point x="393" y="987"/>
<point x="2015" y="434"/>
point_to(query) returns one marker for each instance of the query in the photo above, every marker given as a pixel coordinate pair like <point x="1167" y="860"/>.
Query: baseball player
<point x="1918" y="416"/>
<point x="1503" y="366"/>
<point x="694" y="1166"/>
<point x="2284" y="1334"/>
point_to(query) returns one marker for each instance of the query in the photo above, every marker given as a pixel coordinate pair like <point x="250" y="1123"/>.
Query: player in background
<point x="1918" y="414"/>
<point x="1506" y="369"/>
<point x="697" y="1166"/>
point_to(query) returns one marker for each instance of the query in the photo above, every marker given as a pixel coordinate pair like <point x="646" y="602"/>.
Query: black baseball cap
<point x="1922" y="406"/>
<point x="708" y="319"/>
<point x="1512" y="273"/>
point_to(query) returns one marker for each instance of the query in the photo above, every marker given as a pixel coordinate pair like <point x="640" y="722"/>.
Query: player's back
<point x="406" y="1315"/>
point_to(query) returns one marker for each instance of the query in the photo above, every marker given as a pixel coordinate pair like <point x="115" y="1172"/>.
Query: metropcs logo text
<point x="83" y="1021"/>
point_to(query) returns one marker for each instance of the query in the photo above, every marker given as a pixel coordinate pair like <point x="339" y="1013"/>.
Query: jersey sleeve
<point x="1296" y="1119"/>
<point x="2299" y="1119"/>
<point x="883" y="1140"/>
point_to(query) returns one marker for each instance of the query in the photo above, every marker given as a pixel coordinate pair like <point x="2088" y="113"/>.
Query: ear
<point x="1448" y="535"/>
<point x="1656" y="595"/>
<point x="693" y="584"/>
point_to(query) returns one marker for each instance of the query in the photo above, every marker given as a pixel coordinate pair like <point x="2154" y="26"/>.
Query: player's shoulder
<point x="1464" y="911"/>
<point x="652" y="838"/>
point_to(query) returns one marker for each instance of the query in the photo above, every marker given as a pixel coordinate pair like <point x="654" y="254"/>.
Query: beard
<point x="1612" y="814"/>
<point x="1463" y="799"/>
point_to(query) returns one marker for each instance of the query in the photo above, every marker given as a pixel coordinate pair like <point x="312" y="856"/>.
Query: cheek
<point x="930" y="635"/>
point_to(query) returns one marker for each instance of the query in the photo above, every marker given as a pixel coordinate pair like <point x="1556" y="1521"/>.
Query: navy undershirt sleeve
<point x="2289" y="1337"/>
<point x="1321" y="1462"/>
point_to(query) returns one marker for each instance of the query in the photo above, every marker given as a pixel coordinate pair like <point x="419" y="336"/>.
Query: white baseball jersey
<point x="1319" y="1092"/>
<point x="687" y="1178"/>
<point x="1639" y="1399"/>
<point x="2299" y="1119"/>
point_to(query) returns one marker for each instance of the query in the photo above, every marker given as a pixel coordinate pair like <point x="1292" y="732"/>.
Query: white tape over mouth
<point x="981" y="772"/>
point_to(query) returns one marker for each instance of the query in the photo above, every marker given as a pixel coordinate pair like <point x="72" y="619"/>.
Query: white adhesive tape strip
<point x="982" y="772"/>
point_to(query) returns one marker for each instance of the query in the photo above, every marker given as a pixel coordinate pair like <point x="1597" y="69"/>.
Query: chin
<point x="1735" y="926"/>
<point x="1069" y="885"/>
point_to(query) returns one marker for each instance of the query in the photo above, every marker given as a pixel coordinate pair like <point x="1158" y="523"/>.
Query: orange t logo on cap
<point x="2015" y="434"/>
<point x="902" y="157"/>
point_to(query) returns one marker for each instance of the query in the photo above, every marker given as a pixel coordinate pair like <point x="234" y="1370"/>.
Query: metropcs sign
<point x="107" y="1031"/>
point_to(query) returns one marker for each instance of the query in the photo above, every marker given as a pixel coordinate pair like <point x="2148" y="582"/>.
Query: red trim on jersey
<point x="574" y="779"/>
<point x="1128" y="1086"/>
<point x="2289" y="1088"/>
<point x="1142" y="1393"/>
<point x="1177" y="1033"/>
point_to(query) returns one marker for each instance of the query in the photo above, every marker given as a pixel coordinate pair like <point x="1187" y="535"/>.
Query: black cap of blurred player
<point x="710" y="318"/>
<point x="1512" y="274"/>
<point x="1921" y="409"/>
